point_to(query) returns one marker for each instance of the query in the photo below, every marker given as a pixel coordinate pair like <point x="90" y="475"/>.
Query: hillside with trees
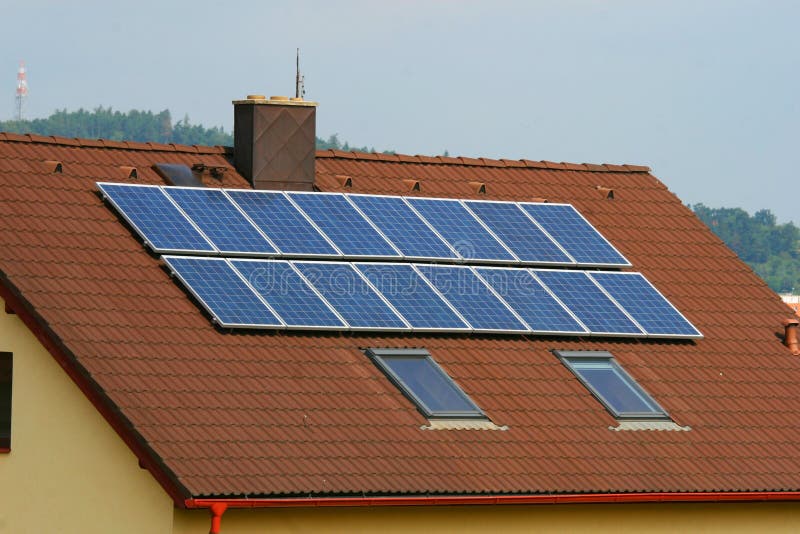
<point x="771" y="249"/>
<point x="142" y="126"/>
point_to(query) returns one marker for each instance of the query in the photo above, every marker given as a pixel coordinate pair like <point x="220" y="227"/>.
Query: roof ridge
<point x="481" y="162"/>
<point x="108" y="143"/>
<point x="327" y="153"/>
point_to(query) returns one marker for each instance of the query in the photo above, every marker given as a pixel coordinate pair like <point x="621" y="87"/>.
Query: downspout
<point x="216" y="509"/>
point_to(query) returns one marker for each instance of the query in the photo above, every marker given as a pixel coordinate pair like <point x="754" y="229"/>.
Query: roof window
<point x="178" y="174"/>
<point x="612" y="386"/>
<point x="426" y="384"/>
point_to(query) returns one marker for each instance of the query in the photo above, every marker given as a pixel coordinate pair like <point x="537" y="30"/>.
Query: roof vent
<point x="177" y="174"/>
<point x="53" y="167"/>
<point x="129" y="172"/>
<point x="606" y="192"/>
<point x="790" y="337"/>
<point x="411" y="185"/>
<point x="217" y="172"/>
<point x="479" y="188"/>
<point x="344" y="180"/>
<point x="540" y="200"/>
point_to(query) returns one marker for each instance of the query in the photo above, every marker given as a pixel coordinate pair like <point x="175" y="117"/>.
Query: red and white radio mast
<point x="22" y="89"/>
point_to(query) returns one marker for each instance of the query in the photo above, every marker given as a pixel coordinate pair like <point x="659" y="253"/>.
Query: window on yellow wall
<point x="5" y="401"/>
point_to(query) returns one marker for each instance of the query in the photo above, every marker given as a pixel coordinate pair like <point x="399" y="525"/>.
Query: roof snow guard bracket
<point x="658" y="426"/>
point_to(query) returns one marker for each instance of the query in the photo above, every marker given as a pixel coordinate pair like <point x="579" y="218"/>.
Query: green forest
<point x="142" y="126"/>
<point x="771" y="249"/>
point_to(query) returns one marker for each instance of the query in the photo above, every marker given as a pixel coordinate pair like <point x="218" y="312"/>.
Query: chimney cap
<point x="275" y="101"/>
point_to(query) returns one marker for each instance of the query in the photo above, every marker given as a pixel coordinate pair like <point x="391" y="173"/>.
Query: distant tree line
<point x="770" y="249"/>
<point x="142" y="126"/>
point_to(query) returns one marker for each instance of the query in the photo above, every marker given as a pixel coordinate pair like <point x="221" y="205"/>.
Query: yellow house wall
<point x="68" y="471"/>
<point x="561" y="518"/>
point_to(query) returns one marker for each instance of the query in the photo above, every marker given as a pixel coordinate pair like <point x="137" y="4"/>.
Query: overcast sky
<point x="704" y="92"/>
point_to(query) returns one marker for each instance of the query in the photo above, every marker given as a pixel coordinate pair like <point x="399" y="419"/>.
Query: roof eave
<point x="148" y="459"/>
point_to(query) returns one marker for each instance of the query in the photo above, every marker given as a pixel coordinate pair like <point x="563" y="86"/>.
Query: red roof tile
<point x="301" y="413"/>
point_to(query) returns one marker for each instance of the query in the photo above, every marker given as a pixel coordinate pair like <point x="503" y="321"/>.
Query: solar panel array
<point x="424" y="263"/>
<point x="337" y="295"/>
<point x="182" y="220"/>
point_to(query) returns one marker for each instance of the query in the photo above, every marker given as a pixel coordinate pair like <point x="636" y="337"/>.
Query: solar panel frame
<point x="354" y="200"/>
<point x="696" y="335"/>
<point x="293" y="195"/>
<point x="639" y="334"/>
<point x="467" y="327"/>
<point x="526" y="328"/>
<point x="569" y="260"/>
<point x="107" y="195"/>
<point x="605" y="242"/>
<point x="406" y="328"/>
<point x="486" y="269"/>
<point x="245" y="219"/>
<point x="284" y="251"/>
<point x="210" y="309"/>
<point x="511" y="259"/>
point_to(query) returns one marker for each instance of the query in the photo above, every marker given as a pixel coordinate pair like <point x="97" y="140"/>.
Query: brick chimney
<point x="274" y="142"/>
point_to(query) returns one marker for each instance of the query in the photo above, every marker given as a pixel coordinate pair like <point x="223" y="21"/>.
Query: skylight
<point x="425" y="383"/>
<point x="612" y="386"/>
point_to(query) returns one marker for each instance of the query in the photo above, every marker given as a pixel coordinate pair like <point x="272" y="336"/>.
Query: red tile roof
<point x="274" y="413"/>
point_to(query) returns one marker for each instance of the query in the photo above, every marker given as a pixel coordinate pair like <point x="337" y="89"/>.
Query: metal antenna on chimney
<point x="22" y="90"/>
<point x="299" y="80"/>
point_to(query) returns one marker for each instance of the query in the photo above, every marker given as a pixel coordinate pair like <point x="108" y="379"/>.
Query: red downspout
<point x="217" y="509"/>
<point x="218" y="506"/>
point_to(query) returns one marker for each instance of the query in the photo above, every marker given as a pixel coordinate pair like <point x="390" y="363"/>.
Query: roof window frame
<point x="570" y="357"/>
<point x="379" y="355"/>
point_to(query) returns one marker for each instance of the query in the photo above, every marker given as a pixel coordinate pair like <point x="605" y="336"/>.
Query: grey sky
<point x="703" y="92"/>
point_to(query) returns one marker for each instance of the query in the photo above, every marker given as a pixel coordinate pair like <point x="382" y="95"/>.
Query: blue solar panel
<point x="350" y="295"/>
<point x="402" y="226"/>
<point x="645" y="304"/>
<point x="280" y="220"/>
<point x="411" y="295"/>
<point x="222" y="292"/>
<point x="218" y="218"/>
<point x="530" y="300"/>
<point x="288" y="294"/>
<point x="344" y="225"/>
<point x="588" y="302"/>
<point x="157" y="220"/>
<point x="472" y="298"/>
<point x="518" y="232"/>
<point x="461" y="229"/>
<point x="575" y="234"/>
